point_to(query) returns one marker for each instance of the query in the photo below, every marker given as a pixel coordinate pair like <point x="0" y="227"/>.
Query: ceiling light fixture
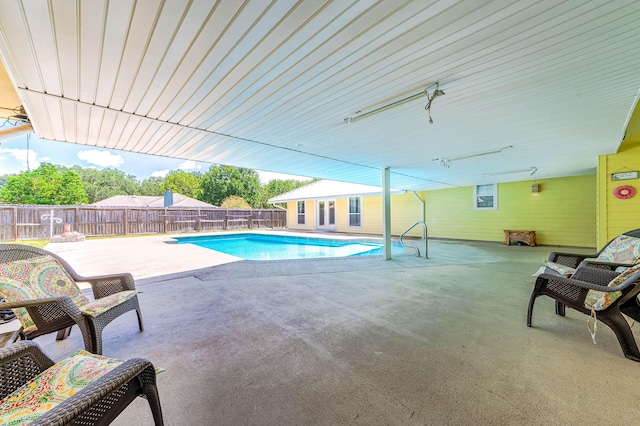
<point x="436" y="92"/>
<point x="532" y="171"/>
<point x="397" y="102"/>
<point x="446" y="162"/>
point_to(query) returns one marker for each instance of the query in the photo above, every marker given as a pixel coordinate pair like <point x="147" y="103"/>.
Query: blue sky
<point x="19" y="154"/>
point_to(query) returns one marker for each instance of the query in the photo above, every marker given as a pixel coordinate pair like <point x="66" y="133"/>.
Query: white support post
<point x="386" y="212"/>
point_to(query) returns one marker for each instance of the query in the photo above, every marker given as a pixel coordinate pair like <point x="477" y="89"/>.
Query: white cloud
<point x="26" y="158"/>
<point x="101" y="158"/>
<point x="160" y="173"/>
<point x="189" y="165"/>
<point x="265" y="177"/>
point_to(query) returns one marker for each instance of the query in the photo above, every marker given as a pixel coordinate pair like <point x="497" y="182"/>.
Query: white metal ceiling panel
<point x="159" y="38"/>
<point x="42" y="41"/>
<point x="89" y="46"/>
<point x="116" y="31"/>
<point x="64" y="20"/>
<point x="139" y="33"/>
<point x="230" y="49"/>
<point x="198" y="63"/>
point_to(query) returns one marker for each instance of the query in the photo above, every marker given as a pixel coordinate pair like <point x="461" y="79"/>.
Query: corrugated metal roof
<point x="330" y="189"/>
<point x="268" y="85"/>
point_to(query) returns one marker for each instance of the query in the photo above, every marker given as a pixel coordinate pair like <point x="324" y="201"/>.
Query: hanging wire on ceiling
<point x="531" y="170"/>
<point x="28" y="139"/>
<point x="446" y="162"/>
<point x="19" y="116"/>
<point x="436" y="92"/>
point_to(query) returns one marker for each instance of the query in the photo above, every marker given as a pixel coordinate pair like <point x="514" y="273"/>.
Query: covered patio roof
<point x="334" y="90"/>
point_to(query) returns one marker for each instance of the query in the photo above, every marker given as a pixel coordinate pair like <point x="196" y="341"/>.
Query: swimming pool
<point x="252" y="246"/>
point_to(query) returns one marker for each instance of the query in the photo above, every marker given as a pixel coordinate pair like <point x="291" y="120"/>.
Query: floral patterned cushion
<point x="599" y="300"/>
<point x="623" y="249"/>
<point x="35" y="278"/>
<point x="53" y="386"/>
<point x="560" y="268"/>
<point x="103" y="304"/>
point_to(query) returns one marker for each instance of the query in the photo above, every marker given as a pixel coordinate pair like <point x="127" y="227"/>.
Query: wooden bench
<point x="527" y="237"/>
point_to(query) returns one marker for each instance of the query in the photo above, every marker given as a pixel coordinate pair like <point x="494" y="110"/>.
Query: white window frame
<point x="486" y="189"/>
<point x="301" y="215"/>
<point x="358" y="213"/>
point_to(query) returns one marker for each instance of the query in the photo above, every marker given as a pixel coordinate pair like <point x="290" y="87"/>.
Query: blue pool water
<point x="278" y="247"/>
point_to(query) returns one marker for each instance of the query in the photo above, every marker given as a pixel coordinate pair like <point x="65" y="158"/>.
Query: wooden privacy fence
<point x="35" y="222"/>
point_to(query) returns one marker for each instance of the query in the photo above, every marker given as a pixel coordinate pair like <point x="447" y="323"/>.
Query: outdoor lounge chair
<point x="82" y="389"/>
<point x="601" y="293"/>
<point x="622" y="251"/>
<point x="44" y="285"/>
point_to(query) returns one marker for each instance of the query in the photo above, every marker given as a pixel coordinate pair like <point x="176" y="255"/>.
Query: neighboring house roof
<point x="330" y="189"/>
<point x="179" y="200"/>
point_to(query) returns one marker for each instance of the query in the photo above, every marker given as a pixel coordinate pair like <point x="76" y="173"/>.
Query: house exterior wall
<point x="617" y="216"/>
<point x="310" y="216"/>
<point x="562" y="213"/>
<point x="405" y="211"/>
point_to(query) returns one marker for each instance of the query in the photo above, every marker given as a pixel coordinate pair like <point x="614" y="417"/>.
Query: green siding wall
<point x="562" y="213"/>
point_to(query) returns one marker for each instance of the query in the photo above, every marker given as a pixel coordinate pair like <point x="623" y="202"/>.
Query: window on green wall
<point x="355" y="211"/>
<point x="485" y="197"/>
<point x="301" y="219"/>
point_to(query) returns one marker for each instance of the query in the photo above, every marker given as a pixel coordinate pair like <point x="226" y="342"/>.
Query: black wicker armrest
<point x="569" y="259"/>
<point x="105" y="285"/>
<point x="605" y="265"/>
<point x="592" y="274"/>
<point x="588" y="285"/>
<point x="63" y="302"/>
<point x="19" y="363"/>
<point x="101" y="285"/>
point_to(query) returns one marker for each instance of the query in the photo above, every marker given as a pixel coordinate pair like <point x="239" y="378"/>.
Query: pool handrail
<point x="424" y="237"/>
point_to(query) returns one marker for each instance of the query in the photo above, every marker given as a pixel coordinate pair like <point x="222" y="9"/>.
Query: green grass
<point x="42" y="243"/>
<point x="34" y="243"/>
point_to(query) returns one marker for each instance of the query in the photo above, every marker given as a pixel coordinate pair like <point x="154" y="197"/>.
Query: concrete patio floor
<point x="356" y="341"/>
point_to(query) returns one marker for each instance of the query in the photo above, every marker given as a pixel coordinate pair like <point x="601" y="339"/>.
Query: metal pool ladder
<point x="424" y="237"/>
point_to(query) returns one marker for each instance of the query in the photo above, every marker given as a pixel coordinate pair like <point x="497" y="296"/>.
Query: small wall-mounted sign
<point x="624" y="175"/>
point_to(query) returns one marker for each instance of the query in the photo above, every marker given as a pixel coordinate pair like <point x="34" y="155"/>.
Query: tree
<point x="222" y="181"/>
<point x="48" y="184"/>
<point x="152" y="186"/>
<point x="234" y="202"/>
<point x="106" y="183"/>
<point x="277" y="187"/>
<point x="184" y="183"/>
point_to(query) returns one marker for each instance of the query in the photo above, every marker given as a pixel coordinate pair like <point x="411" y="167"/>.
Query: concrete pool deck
<point x="360" y="341"/>
<point x="152" y="256"/>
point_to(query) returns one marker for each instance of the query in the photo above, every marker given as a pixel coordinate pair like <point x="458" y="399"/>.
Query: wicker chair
<point x="59" y="314"/>
<point x="573" y="291"/>
<point x="572" y="260"/>
<point x="98" y="402"/>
